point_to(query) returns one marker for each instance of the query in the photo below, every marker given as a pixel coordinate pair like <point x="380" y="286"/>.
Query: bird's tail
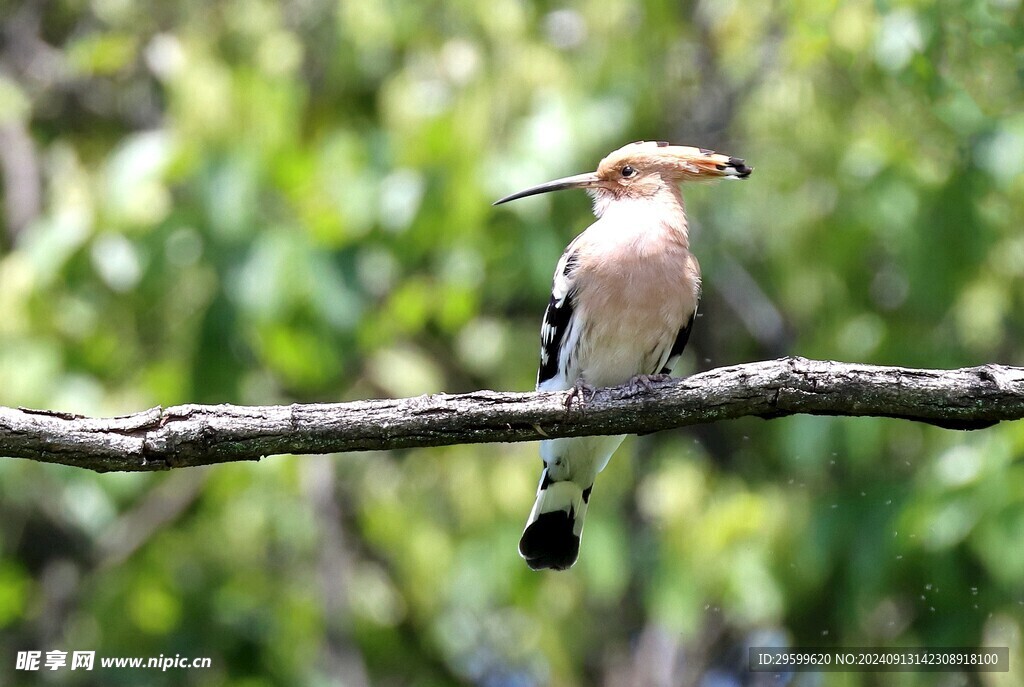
<point x="552" y="535"/>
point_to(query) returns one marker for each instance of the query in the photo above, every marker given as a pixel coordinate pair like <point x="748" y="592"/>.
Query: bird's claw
<point x="581" y="392"/>
<point x="643" y="384"/>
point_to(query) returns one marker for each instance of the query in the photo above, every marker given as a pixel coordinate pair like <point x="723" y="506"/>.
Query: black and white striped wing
<point x="559" y="333"/>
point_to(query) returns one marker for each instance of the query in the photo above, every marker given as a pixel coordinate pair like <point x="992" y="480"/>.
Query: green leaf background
<point x="257" y="202"/>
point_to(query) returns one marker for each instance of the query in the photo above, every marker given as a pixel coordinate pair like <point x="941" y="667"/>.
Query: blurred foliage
<point x="258" y="202"/>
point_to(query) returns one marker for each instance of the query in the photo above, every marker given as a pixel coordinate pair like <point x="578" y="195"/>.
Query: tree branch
<point x="189" y="435"/>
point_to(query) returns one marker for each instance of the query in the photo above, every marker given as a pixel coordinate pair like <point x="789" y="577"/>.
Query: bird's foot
<point x="643" y="384"/>
<point x="581" y="392"/>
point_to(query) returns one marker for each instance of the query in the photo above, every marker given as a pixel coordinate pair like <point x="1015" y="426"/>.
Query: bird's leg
<point x="643" y="384"/>
<point x="581" y="392"/>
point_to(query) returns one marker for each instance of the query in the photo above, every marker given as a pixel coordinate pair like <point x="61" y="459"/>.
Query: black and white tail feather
<point x="552" y="535"/>
<point x="553" y="531"/>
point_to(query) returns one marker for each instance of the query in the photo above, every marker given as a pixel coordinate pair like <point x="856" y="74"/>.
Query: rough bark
<point x="190" y="435"/>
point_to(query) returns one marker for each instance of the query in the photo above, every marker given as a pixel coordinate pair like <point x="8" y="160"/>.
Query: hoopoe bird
<point x="623" y="302"/>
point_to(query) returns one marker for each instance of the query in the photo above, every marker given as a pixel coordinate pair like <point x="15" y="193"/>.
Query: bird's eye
<point x="628" y="171"/>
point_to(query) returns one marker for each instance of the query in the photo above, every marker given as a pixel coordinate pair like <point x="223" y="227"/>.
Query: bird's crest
<point x="684" y="163"/>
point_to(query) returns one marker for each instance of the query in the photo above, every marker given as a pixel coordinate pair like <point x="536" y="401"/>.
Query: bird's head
<point x="643" y="170"/>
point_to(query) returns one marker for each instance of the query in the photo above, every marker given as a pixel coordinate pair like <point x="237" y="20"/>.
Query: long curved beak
<point x="578" y="181"/>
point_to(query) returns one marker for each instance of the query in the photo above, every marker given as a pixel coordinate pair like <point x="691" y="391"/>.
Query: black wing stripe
<point x="557" y="319"/>
<point x="677" y="348"/>
<point x="556" y="323"/>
